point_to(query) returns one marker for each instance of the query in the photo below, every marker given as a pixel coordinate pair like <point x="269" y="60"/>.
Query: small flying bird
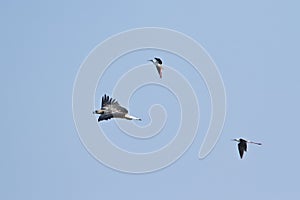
<point x="242" y="146"/>
<point x="158" y="63"/>
<point x="110" y="108"/>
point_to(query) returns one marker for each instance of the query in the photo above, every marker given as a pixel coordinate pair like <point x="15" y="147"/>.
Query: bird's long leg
<point x="258" y="143"/>
<point x="132" y="117"/>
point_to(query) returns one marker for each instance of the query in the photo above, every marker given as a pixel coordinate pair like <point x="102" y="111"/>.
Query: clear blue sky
<point x="255" y="45"/>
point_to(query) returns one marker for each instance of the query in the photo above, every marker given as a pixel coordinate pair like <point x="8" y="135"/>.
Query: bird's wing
<point x="114" y="112"/>
<point x="118" y="109"/>
<point x="158" y="60"/>
<point x="159" y="70"/>
<point x="242" y="147"/>
<point x="105" y="117"/>
<point x="107" y="101"/>
<point x="111" y="108"/>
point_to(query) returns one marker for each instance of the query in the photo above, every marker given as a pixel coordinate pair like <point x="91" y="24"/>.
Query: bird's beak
<point x="150" y="60"/>
<point x="98" y="112"/>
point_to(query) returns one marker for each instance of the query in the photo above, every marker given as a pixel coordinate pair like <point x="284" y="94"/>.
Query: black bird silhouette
<point x="242" y="145"/>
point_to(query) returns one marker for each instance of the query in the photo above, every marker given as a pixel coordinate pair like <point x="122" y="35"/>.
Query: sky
<point x="255" y="46"/>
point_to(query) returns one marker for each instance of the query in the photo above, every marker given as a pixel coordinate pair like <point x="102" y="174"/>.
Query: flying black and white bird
<point x="242" y="145"/>
<point x="158" y="63"/>
<point x="110" y="108"/>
